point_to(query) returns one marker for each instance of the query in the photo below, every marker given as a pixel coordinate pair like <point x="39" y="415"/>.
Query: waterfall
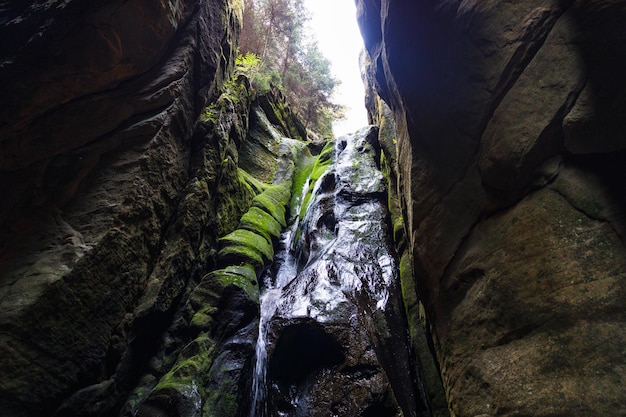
<point x="331" y="318"/>
<point x="273" y="284"/>
<point x="268" y="303"/>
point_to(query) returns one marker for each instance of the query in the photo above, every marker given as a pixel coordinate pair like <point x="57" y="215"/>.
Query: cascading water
<point x="331" y="325"/>
<point x="273" y="283"/>
<point x="268" y="303"/>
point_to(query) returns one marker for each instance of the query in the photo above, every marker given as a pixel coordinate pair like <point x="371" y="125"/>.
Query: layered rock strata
<point x="510" y="173"/>
<point x="117" y="184"/>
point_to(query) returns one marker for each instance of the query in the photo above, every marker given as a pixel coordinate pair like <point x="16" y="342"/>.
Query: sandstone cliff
<point x="510" y="155"/>
<point x="120" y="170"/>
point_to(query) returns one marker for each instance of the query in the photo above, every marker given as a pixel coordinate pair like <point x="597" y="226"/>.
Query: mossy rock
<point x="182" y="386"/>
<point x="213" y="285"/>
<point x="243" y="276"/>
<point x="302" y="171"/>
<point x="254" y="185"/>
<point x="245" y="247"/>
<point x="194" y="360"/>
<point x="260" y="221"/>
<point x="220" y="403"/>
<point x="328" y="152"/>
<point x="274" y="201"/>
<point x="234" y="198"/>
<point x="322" y="163"/>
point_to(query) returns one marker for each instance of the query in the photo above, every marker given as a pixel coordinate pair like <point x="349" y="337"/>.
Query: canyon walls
<point x="119" y="171"/>
<point x="509" y="122"/>
<point x="144" y="188"/>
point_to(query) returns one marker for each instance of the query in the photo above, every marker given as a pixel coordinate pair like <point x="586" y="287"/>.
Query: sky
<point x="334" y="25"/>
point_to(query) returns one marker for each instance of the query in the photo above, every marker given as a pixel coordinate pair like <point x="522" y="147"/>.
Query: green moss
<point x="213" y="285"/>
<point x="274" y="201"/>
<point x="252" y="242"/>
<point x="302" y="172"/>
<point x="210" y="113"/>
<point x="220" y="403"/>
<point x="193" y="362"/>
<point x="246" y="247"/>
<point x="323" y="161"/>
<point x="234" y="91"/>
<point x="328" y="152"/>
<point x="261" y="222"/>
<point x="233" y="199"/>
<point x="254" y="185"/>
<point x="203" y="319"/>
<point x="242" y="254"/>
<point x="243" y="276"/>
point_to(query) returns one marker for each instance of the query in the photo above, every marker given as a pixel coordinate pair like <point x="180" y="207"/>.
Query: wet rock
<point x="337" y="337"/>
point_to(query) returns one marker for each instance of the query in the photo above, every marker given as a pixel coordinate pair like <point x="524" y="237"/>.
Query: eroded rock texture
<point x="510" y="156"/>
<point x="114" y="195"/>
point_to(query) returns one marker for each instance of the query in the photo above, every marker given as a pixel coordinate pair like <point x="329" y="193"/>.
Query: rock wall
<point x="119" y="171"/>
<point x="134" y="218"/>
<point x="510" y="172"/>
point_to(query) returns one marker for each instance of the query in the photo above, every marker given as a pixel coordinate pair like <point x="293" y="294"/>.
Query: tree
<point x="275" y="31"/>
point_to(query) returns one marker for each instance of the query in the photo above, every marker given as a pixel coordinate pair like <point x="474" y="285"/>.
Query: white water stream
<point x="268" y="302"/>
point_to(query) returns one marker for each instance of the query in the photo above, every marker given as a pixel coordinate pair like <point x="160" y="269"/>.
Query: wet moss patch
<point x="245" y="247"/>
<point x="274" y="201"/>
<point x="302" y="170"/>
<point x="262" y="222"/>
<point x="323" y="161"/>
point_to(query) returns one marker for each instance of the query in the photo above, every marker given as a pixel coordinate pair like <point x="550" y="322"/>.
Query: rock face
<point x="335" y="331"/>
<point x="117" y="184"/>
<point x="145" y="189"/>
<point x="510" y="174"/>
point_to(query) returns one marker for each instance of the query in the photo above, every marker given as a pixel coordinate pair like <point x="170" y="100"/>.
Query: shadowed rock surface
<point x="115" y="195"/>
<point x="510" y="173"/>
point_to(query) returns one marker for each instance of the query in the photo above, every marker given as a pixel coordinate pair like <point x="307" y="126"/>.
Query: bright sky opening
<point x="334" y="25"/>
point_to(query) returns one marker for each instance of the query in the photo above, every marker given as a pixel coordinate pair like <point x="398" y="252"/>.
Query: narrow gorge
<point x="175" y="242"/>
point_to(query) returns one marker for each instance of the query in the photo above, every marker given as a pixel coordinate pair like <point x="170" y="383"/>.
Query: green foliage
<point x="250" y="65"/>
<point x="247" y="63"/>
<point x="277" y="52"/>
<point x="234" y="91"/>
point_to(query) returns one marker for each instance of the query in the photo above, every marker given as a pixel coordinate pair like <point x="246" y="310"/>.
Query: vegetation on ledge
<point x="276" y="52"/>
